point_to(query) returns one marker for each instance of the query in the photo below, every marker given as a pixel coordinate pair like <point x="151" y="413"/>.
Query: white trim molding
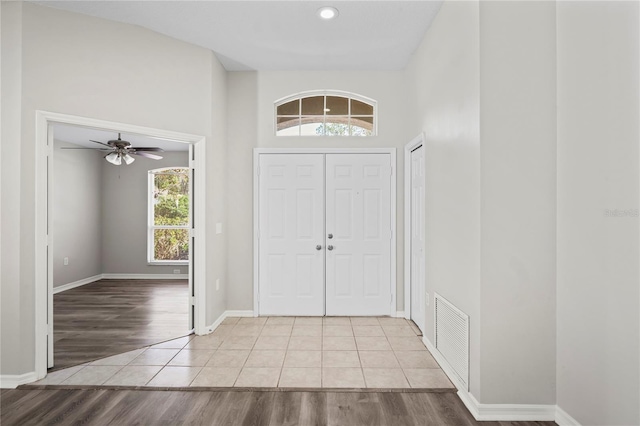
<point x="145" y="276"/>
<point x="79" y="283"/>
<point x="564" y="419"/>
<point x="12" y="381"/>
<point x="415" y="143"/>
<point x="225" y="314"/>
<point x="493" y="412"/>
<point x="44" y="242"/>
<point x="507" y="412"/>
<point x="89" y="280"/>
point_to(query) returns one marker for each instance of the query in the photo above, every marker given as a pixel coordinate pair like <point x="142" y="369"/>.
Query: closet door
<point x="291" y="234"/>
<point x="358" y="226"/>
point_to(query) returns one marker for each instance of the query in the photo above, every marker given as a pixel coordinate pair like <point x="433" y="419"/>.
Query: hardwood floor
<point x="125" y="407"/>
<point x="109" y="317"/>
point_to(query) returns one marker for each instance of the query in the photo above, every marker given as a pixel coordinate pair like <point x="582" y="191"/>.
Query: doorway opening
<point x="138" y="299"/>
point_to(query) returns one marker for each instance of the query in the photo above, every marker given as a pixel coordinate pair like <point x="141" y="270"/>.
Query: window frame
<point x="151" y="226"/>
<point x="337" y="93"/>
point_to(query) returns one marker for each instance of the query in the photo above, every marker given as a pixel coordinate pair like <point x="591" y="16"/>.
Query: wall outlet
<point x="427" y="296"/>
<point x="65" y="261"/>
<point x="176" y="271"/>
<point x="217" y="284"/>
<point x="218" y="228"/>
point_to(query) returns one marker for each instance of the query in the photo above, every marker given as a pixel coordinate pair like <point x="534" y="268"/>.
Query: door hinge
<point x="192" y="233"/>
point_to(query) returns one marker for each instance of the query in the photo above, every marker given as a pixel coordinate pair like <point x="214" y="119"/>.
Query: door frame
<point x="414" y="144"/>
<point x="256" y="198"/>
<point x="44" y="239"/>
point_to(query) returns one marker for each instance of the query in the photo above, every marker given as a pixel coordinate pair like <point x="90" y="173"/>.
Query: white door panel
<point x="291" y="224"/>
<point x="418" y="293"/>
<point x="358" y="197"/>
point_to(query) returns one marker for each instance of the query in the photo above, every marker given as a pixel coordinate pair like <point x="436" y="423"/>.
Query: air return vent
<point x="452" y="337"/>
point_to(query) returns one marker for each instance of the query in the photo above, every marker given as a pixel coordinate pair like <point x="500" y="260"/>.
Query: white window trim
<point x="340" y="93"/>
<point x="150" y="219"/>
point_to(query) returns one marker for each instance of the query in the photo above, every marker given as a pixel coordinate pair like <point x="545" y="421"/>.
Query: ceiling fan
<point x="122" y="151"/>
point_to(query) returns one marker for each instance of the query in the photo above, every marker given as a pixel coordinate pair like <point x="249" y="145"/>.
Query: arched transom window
<point x="325" y="113"/>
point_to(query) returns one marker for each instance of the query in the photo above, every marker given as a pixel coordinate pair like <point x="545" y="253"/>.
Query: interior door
<point x="418" y="294"/>
<point x="358" y="222"/>
<point x="291" y="234"/>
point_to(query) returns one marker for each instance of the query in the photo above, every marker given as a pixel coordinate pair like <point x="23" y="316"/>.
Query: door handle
<point x="330" y="236"/>
<point x="329" y="247"/>
<point x="318" y="247"/>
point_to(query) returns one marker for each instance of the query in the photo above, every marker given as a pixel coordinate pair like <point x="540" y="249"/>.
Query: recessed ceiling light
<point x="327" y="12"/>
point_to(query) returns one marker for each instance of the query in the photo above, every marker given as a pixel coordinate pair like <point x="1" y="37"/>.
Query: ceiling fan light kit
<point x="122" y="151"/>
<point x="114" y="158"/>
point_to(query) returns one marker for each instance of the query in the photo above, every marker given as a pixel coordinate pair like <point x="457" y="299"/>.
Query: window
<point x="168" y="236"/>
<point x="325" y="114"/>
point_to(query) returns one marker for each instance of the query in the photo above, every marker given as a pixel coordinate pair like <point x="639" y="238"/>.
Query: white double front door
<point x="324" y="234"/>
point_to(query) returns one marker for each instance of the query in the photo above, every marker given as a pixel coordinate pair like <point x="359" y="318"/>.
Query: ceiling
<point x="281" y="35"/>
<point x="81" y="136"/>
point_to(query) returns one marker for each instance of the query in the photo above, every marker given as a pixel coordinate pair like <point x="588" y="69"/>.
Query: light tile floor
<point x="294" y="352"/>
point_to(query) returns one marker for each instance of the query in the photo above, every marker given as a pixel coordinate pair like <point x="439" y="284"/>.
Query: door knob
<point x="318" y="247"/>
<point x="329" y="247"/>
<point x="330" y="236"/>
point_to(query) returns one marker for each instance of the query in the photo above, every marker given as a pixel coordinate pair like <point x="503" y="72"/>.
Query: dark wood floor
<point x="109" y="317"/>
<point x="128" y="407"/>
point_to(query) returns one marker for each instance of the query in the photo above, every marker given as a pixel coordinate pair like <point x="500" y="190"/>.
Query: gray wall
<point x="77" y="213"/>
<point x="80" y="65"/>
<point x="124" y="215"/>
<point x="598" y="308"/>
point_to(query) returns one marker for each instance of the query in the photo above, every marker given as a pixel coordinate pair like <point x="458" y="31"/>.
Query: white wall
<point x="597" y="299"/>
<point x="518" y="202"/>
<point x="483" y="89"/>
<point x="77" y="213"/>
<point x="444" y="82"/>
<point x="124" y="215"/>
<point x="251" y="124"/>
<point x="79" y="65"/>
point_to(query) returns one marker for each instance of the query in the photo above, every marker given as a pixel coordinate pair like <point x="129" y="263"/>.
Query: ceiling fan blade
<point x="101" y="143"/>
<point x="83" y="147"/>
<point x="146" y="154"/>
<point x="147" y="149"/>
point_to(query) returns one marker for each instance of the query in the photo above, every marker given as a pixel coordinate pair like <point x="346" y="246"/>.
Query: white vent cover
<point x="452" y="337"/>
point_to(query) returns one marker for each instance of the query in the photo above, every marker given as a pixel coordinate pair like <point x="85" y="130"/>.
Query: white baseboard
<point x="399" y="314"/>
<point x="225" y="314"/>
<point x="508" y="412"/>
<point x="75" y="284"/>
<point x="448" y="370"/>
<point x="239" y="314"/>
<point x="492" y="412"/>
<point x="99" y="277"/>
<point x="145" y="276"/>
<point x="12" y="381"/>
<point x="564" y="419"/>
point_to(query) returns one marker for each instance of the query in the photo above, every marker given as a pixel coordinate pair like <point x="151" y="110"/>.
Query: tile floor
<point x="288" y="352"/>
